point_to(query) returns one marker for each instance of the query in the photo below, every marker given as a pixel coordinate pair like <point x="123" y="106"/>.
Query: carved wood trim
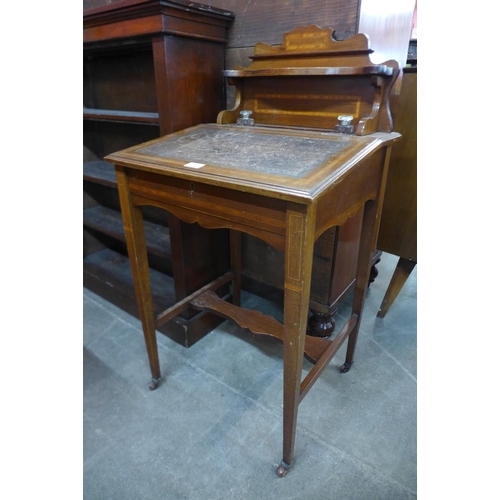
<point x="257" y="323"/>
<point x="311" y="51"/>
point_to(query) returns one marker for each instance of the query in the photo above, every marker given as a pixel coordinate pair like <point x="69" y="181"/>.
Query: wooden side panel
<point x="398" y="225"/>
<point x="335" y="257"/>
<point x="261" y="262"/>
<point x="188" y="71"/>
<point x="307" y="101"/>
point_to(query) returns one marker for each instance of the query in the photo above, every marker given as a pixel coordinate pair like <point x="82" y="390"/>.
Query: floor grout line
<point x="394" y="359"/>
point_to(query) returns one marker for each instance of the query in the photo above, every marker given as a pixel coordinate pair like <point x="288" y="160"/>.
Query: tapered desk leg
<point x="368" y="231"/>
<point x="136" y="247"/>
<point x="401" y="274"/>
<point x="298" y="268"/>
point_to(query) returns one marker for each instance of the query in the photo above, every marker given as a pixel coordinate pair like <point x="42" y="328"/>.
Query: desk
<point x="283" y="185"/>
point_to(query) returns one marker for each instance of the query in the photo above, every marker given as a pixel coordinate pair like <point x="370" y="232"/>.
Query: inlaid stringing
<point x="248" y="149"/>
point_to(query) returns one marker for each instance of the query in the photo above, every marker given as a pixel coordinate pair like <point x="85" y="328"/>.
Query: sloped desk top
<point x="280" y="163"/>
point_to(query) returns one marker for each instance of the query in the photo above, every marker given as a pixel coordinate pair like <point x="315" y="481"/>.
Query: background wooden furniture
<point x="398" y="226"/>
<point x="150" y="67"/>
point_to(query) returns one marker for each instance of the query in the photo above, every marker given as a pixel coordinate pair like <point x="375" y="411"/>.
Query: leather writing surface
<point x="248" y="149"/>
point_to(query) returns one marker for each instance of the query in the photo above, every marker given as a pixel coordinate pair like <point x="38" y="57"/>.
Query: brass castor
<point x="345" y="367"/>
<point x="154" y="384"/>
<point x="282" y="469"/>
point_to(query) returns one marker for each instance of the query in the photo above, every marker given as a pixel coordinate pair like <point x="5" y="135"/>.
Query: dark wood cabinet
<point x="150" y="68"/>
<point x="398" y="224"/>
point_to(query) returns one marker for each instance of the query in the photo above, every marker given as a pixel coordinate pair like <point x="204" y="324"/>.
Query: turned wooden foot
<point x="321" y="325"/>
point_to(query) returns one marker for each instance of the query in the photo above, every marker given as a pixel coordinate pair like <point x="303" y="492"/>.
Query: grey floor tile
<point x="212" y="429"/>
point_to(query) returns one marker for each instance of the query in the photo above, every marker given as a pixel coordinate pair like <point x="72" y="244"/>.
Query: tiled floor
<point x="212" y="429"/>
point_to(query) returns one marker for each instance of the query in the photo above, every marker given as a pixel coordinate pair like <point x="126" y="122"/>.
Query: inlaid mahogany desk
<point x="286" y="174"/>
<point x="284" y="185"/>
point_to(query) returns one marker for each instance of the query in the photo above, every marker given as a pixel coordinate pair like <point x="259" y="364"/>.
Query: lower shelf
<point x="108" y="274"/>
<point x="109" y="221"/>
